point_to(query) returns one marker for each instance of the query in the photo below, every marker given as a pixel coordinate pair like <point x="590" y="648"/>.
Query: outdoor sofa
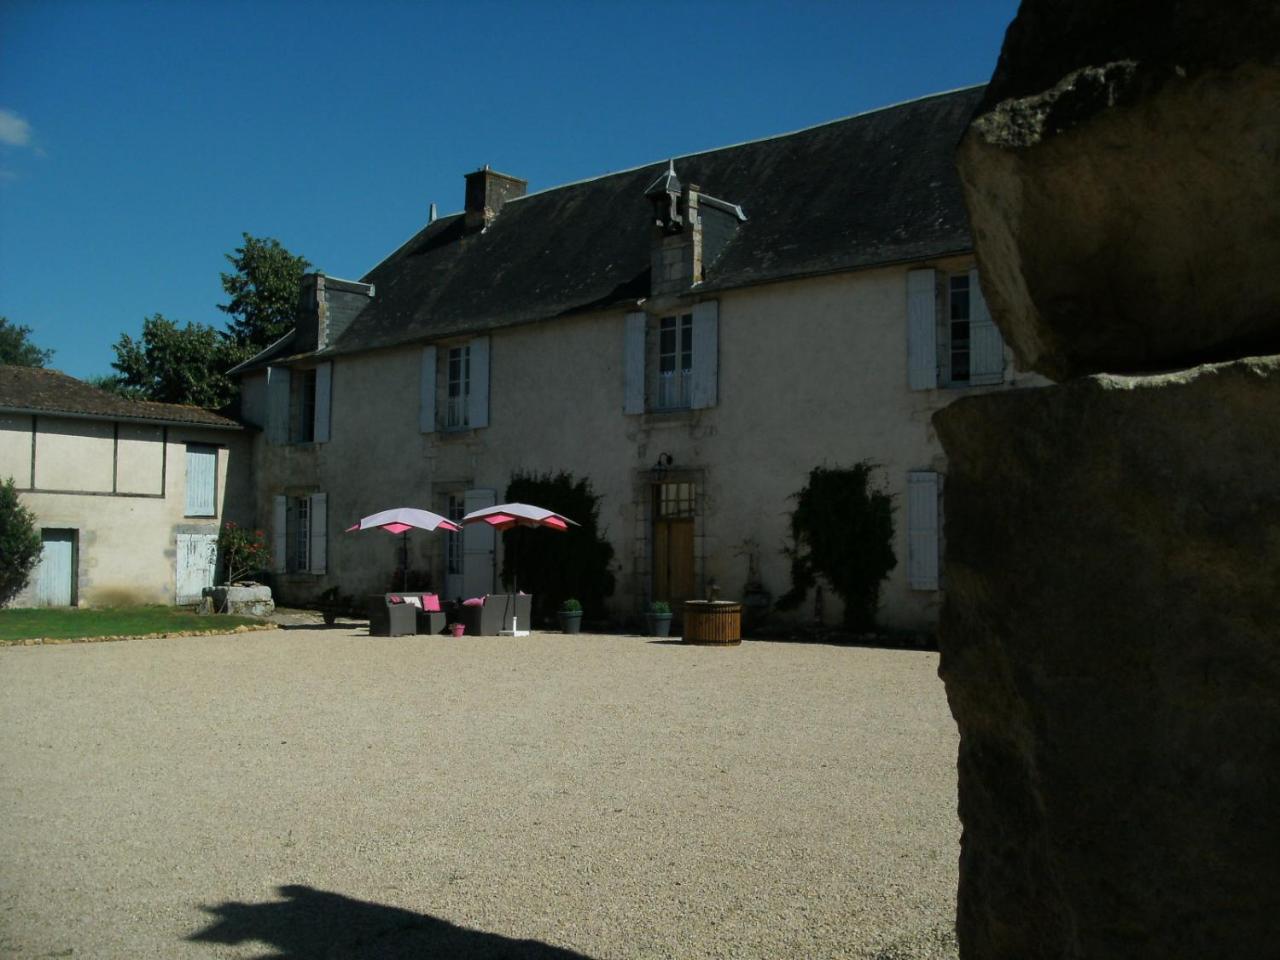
<point x="405" y="614"/>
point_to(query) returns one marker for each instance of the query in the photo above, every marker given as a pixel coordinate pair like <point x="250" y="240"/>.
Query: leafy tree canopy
<point x="19" y="542"/>
<point x="173" y="364"/>
<point x="16" y="348"/>
<point x="263" y="291"/>
<point x="842" y="530"/>
<point x="555" y="565"/>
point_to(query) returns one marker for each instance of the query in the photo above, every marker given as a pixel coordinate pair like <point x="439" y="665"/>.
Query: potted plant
<point x="570" y="616"/>
<point x="658" y="619"/>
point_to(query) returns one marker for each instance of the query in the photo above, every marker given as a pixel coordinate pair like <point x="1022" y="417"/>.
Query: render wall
<point x="122" y="488"/>
<point x="811" y="372"/>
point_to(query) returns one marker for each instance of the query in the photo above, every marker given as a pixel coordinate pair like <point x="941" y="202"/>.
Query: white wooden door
<point x="197" y="553"/>
<point x="478" y="542"/>
<point x="56" y="569"/>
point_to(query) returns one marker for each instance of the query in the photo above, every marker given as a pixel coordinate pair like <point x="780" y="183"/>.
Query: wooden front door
<point x="673" y="569"/>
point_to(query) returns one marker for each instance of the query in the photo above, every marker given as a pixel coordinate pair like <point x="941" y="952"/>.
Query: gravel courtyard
<point x="314" y="793"/>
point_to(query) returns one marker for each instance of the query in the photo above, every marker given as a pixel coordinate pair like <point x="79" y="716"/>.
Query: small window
<point x="457" y="388"/>
<point x="675" y="362"/>
<point x="455" y="509"/>
<point x="298" y="536"/>
<point x="202" y="481"/>
<point x="675" y="500"/>
<point x="304" y="406"/>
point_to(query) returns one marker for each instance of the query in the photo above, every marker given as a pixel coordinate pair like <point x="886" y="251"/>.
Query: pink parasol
<point x="507" y="515"/>
<point x="401" y="520"/>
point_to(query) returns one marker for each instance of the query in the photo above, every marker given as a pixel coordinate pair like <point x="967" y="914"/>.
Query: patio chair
<point x="490" y="618"/>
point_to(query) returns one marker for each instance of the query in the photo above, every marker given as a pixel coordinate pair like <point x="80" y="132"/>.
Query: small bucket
<point x="458" y="629"/>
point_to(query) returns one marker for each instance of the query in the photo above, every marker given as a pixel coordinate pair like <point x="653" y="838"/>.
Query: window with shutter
<point x="973" y="350"/>
<point x="202" y="480"/>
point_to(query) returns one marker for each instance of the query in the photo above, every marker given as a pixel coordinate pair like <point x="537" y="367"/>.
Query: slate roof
<point x="873" y="189"/>
<point x="37" y="390"/>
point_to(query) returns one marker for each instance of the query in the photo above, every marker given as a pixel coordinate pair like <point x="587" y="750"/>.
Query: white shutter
<point x="922" y="329"/>
<point x="706" y="354"/>
<point x="279" y="537"/>
<point x="427" y="392"/>
<point x="277" y="405"/>
<point x="478" y="542"/>
<point x="324" y="401"/>
<point x="922" y="529"/>
<point x="319" y="533"/>
<point x="986" y="346"/>
<point x="633" y="362"/>
<point x="478" y="401"/>
<point x="202" y="473"/>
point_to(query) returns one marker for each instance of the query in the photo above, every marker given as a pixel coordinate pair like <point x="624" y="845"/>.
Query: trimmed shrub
<point x="20" y="544"/>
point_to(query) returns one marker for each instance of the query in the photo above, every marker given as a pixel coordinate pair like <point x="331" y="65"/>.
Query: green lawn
<point x="19" y="625"/>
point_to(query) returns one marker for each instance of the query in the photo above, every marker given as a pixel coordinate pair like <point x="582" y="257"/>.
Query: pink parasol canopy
<point x="400" y="519"/>
<point x="507" y="515"/>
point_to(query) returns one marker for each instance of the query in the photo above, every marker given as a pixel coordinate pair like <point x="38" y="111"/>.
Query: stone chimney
<point x="676" y="248"/>
<point x="326" y="307"/>
<point x="487" y="191"/>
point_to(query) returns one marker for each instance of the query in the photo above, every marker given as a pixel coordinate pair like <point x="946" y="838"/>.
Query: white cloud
<point x="14" y="131"/>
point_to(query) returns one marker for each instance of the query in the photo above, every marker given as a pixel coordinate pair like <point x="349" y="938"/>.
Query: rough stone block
<point x="1111" y="651"/>
<point x="1122" y="176"/>
<point x="252" y="600"/>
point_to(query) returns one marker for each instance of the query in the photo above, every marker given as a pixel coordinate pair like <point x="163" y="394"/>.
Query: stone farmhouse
<point x="128" y="495"/>
<point x="693" y="336"/>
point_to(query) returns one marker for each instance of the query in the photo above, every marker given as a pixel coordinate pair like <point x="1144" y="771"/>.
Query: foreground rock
<point x="1111" y="651"/>
<point x="1123" y="183"/>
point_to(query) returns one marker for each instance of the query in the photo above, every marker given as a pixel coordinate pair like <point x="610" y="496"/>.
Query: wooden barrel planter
<point x="713" y="622"/>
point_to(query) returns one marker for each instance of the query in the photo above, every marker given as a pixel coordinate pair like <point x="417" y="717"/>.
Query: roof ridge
<point x="743" y="143"/>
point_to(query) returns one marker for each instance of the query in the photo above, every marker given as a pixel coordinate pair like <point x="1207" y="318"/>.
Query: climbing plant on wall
<point x="555" y="565"/>
<point x="842" y="531"/>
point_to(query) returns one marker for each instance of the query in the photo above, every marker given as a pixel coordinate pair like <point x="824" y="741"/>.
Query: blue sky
<point x="139" y="140"/>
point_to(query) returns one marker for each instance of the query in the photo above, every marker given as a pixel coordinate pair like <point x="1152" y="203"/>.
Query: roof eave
<point x="114" y="417"/>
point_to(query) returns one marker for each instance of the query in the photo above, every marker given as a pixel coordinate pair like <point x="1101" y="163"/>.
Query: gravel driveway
<point x="315" y="793"/>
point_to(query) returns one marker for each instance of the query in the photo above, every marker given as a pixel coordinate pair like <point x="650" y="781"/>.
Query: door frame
<point x="74" y="592"/>
<point x="644" y="494"/>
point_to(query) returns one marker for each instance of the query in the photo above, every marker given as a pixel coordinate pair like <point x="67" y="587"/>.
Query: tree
<point x="17" y="350"/>
<point x="19" y="543"/>
<point x="263" y="291"/>
<point x="842" y="530"/>
<point x="173" y="364"/>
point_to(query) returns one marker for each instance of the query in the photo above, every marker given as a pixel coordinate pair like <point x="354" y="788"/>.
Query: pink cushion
<point x="474" y="602"/>
<point x="394" y="598"/>
<point x="430" y="603"/>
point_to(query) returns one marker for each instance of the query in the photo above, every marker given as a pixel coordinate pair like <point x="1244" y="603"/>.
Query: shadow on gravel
<point x="350" y="625"/>
<point x="312" y="924"/>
